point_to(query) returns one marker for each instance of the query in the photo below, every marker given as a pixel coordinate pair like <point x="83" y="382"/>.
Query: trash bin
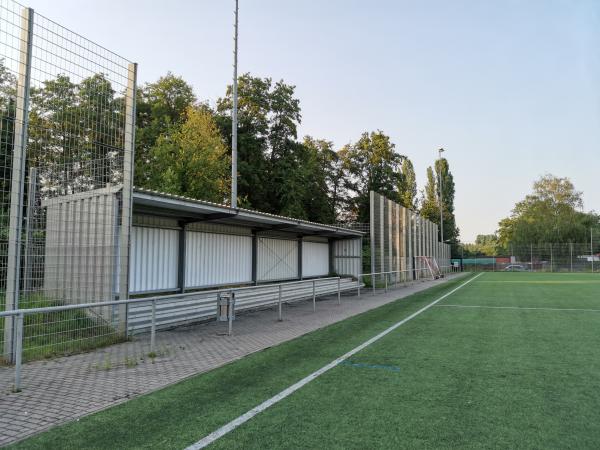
<point x="225" y="306"/>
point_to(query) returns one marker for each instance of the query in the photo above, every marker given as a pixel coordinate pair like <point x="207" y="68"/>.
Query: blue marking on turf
<point x="369" y="366"/>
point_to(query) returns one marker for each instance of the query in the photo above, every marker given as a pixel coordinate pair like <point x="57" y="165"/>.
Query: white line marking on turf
<point x="517" y="307"/>
<point x="212" y="437"/>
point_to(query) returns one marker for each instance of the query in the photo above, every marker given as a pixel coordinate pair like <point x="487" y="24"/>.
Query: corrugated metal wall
<point x="81" y="247"/>
<point x="277" y="259"/>
<point x="153" y="265"/>
<point x="213" y="259"/>
<point x="347" y="257"/>
<point x="315" y="259"/>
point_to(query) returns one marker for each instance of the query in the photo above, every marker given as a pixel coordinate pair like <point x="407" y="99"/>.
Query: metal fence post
<point x="153" y="327"/>
<point x="18" y="352"/>
<point x="358" y="284"/>
<point x="531" y="256"/>
<point x="385" y="278"/>
<point x="127" y="192"/>
<point x="592" y="247"/>
<point x="279" y="317"/>
<point x="230" y="312"/>
<point x="339" y="292"/>
<point x="314" y="297"/>
<point x="571" y="251"/>
<point x="21" y="123"/>
<point x="551" y="259"/>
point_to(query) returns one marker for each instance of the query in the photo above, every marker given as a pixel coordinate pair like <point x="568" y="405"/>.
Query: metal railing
<point x="314" y="288"/>
<point x="268" y="295"/>
<point x="406" y="276"/>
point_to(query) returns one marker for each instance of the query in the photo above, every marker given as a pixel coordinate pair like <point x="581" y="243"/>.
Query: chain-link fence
<point x="555" y="257"/>
<point x="66" y="128"/>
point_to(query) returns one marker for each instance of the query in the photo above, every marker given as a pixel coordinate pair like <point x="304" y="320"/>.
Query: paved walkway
<point x="63" y="389"/>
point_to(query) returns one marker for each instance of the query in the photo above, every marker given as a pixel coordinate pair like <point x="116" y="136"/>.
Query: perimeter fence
<point x="555" y="257"/>
<point x="67" y="112"/>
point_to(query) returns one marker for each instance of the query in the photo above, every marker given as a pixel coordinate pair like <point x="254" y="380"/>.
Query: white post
<point x="571" y="252"/>
<point x="279" y="317"/>
<point x="531" y="250"/>
<point x="19" y="156"/>
<point x="339" y="293"/>
<point x="314" y="297"/>
<point x="127" y="194"/>
<point x="153" y="327"/>
<point x="230" y="305"/>
<point x="18" y="351"/>
<point x="234" y="115"/>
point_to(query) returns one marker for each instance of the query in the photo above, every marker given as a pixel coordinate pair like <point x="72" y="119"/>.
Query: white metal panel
<point x="214" y="259"/>
<point x="315" y="259"/>
<point x="153" y="264"/>
<point x="81" y="247"/>
<point x="201" y="306"/>
<point x="347" y="257"/>
<point x="277" y="259"/>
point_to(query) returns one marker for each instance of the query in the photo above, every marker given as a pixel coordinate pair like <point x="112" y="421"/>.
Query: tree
<point x="8" y="84"/>
<point x="75" y="134"/>
<point x="323" y="187"/>
<point x="160" y="109"/>
<point x="409" y="190"/>
<point x="551" y="214"/>
<point x="430" y="204"/>
<point x="372" y="165"/>
<point x="485" y="245"/>
<point x="268" y="153"/>
<point x="193" y="160"/>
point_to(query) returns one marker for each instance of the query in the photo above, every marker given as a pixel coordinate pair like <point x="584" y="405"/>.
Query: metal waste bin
<point x="226" y="309"/>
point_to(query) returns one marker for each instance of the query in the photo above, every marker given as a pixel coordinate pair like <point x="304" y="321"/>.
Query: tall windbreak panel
<point x="67" y="126"/>
<point x="390" y="239"/>
<point x="403" y="244"/>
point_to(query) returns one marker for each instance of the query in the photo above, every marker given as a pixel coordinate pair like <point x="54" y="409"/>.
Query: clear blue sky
<point x="510" y="88"/>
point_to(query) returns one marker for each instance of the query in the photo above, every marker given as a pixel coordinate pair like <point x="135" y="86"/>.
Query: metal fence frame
<point x="542" y="257"/>
<point x="81" y="145"/>
<point x="19" y="315"/>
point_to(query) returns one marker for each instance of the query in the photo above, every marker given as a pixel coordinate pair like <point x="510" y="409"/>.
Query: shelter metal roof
<point x="193" y="210"/>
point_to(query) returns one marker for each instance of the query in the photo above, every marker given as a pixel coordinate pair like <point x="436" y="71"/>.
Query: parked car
<point x="515" y="268"/>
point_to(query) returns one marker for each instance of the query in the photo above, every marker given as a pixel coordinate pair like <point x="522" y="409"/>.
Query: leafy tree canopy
<point x="552" y="213"/>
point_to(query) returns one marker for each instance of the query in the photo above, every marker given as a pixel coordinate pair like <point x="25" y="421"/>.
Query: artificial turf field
<point x="511" y="360"/>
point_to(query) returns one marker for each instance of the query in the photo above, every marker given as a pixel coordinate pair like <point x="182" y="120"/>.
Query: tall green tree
<point x="430" y="204"/>
<point x="552" y="213"/>
<point x="160" y="109"/>
<point x="193" y="159"/>
<point x="75" y="134"/>
<point x="408" y="194"/>
<point x="373" y="165"/>
<point x="268" y="152"/>
<point x="323" y="187"/>
<point x="8" y="84"/>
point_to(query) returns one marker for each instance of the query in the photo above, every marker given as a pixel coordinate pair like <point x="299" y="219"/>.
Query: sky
<point x="511" y="89"/>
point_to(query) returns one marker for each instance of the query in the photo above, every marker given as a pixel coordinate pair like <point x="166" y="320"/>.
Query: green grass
<point x="59" y="333"/>
<point x="467" y="378"/>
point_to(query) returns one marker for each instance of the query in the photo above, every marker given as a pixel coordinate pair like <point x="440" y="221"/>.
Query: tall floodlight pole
<point x="234" y="119"/>
<point x="440" y="151"/>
